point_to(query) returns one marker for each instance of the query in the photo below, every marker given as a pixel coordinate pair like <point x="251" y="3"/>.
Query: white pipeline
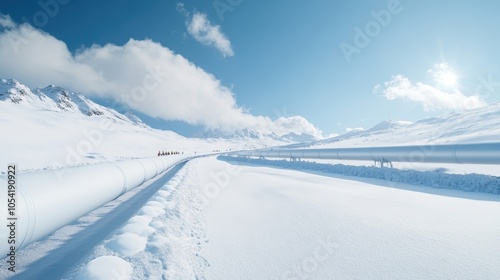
<point x="482" y="153"/>
<point x="48" y="200"/>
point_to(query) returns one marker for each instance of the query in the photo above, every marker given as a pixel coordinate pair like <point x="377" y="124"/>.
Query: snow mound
<point x="107" y="268"/>
<point x="128" y="244"/>
<point x="139" y="225"/>
<point x="152" y="211"/>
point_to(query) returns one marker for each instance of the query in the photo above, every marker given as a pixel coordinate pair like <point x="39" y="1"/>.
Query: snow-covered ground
<point x="42" y="139"/>
<point x="219" y="218"/>
<point x="268" y="223"/>
<point x="162" y="241"/>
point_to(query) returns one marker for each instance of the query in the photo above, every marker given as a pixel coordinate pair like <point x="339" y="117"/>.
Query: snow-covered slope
<point x="13" y="91"/>
<point x="54" y="98"/>
<point x="52" y="127"/>
<point x="58" y="99"/>
<point x="468" y="126"/>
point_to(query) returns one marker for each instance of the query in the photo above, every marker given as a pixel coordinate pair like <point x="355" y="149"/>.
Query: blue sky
<point x="286" y="59"/>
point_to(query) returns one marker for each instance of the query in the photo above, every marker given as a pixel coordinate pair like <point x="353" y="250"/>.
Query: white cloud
<point x="38" y="58"/>
<point x="296" y="124"/>
<point x="141" y="74"/>
<point x="204" y="32"/>
<point x="6" y="21"/>
<point x="182" y="10"/>
<point x="431" y="98"/>
<point x="164" y="84"/>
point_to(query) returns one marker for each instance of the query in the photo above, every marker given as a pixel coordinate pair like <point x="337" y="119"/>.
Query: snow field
<point x="274" y="223"/>
<point x="240" y="219"/>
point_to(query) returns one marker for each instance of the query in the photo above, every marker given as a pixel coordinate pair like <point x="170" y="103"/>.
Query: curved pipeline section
<point x="47" y="200"/>
<point x="482" y="153"/>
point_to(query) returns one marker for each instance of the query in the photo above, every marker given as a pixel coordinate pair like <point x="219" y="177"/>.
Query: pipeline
<point x="482" y="153"/>
<point x="50" y="199"/>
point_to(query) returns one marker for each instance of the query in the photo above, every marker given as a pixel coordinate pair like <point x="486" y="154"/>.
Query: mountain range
<point x="55" y="98"/>
<point x="253" y="134"/>
<point x="467" y="126"/>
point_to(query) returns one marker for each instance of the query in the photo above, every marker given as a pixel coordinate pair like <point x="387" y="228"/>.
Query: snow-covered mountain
<point x="253" y="134"/>
<point x="54" y="98"/>
<point x="298" y="138"/>
<point x="58" y="99"/>
<point x="53" y="127"/>
<point x="216" y="133"/>
<point x="380" y="128"/>
<point x="467" y="126"/>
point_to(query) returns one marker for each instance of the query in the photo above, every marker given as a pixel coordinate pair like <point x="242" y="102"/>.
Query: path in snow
<point x="270" y="223"/>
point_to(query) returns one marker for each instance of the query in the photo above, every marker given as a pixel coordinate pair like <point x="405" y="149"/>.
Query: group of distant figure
<point x="167" y="153"/>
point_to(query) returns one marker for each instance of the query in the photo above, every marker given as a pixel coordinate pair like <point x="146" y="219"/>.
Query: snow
<point x="163" y="239"/>
<point x="107" y="268"/>
<point x="40" y="139"/>
<point x="248" y="133"/>
<point x="242" y="219"/>
<point x="128" y="244"/>
<point x="53" y="127"/>
<point x="273" y="223"/>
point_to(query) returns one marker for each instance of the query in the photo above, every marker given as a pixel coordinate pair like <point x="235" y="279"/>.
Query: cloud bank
<point x="141" y="74"/>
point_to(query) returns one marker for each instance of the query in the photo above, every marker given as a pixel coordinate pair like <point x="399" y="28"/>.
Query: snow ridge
<point x="58" y="99"/>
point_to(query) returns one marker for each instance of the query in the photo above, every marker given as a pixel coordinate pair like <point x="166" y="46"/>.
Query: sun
<point x="444" y="75"/>
<point x="447" y="79"/>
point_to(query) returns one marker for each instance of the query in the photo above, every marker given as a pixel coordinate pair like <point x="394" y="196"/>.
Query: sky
<point x="319" y="67"/>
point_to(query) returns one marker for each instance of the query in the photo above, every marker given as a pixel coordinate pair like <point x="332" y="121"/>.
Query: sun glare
<point x="443" y="75"/>
<point x="448" y="78"/>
